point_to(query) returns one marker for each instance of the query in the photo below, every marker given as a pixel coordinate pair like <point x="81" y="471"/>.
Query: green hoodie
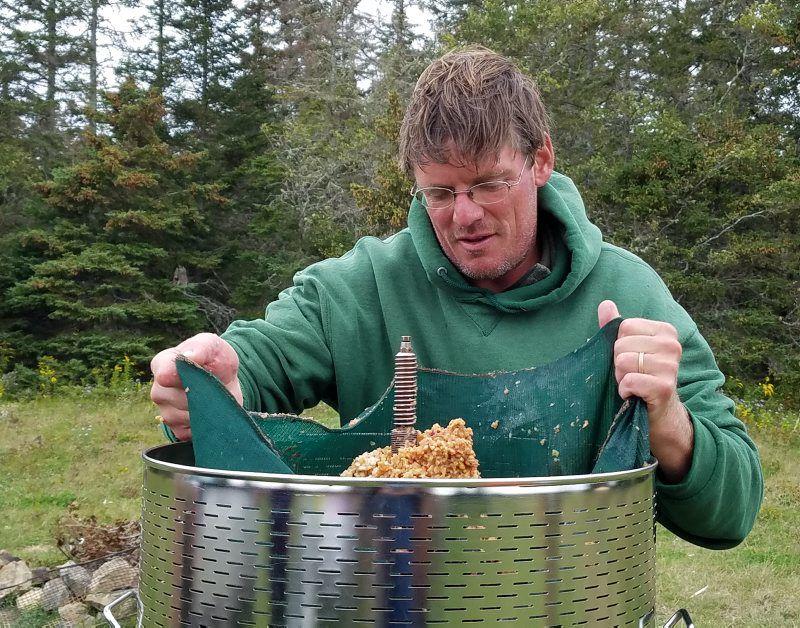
<point x="332" y="337"/>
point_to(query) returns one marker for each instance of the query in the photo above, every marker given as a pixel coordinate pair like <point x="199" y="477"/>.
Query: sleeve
<point x="285" y="360"/>
<point x="716" y="504"/>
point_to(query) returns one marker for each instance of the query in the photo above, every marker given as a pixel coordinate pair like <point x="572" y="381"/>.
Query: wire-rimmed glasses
<point x="486" y="193"/>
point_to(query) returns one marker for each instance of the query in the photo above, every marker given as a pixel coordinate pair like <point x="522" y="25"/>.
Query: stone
<point x="55" y="594"/>
<point x="74" y="613"/>
<point x="30" y="600"/>
<point x="9" y="617"/>
<point x="40" y="575"/>
<point x="76" y="578"/>
<point x="15" y="577"/>
<point x="114" y="575"/>
<point x="101" y="600"/>
<point x="7" y="557"/>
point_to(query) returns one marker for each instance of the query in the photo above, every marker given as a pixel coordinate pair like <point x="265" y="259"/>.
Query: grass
<point x="755" y="583"/>
<point x="85" y="451"/>
<point x="79" y="451"/>
<point x="60" y="451"/>
<point x="35" y="618"/>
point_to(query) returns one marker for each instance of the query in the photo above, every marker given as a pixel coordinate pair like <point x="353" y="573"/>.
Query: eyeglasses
<point x="486" y="193"/>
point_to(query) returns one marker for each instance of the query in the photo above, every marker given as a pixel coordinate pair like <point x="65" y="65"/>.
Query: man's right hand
<point x="206" y="350"/>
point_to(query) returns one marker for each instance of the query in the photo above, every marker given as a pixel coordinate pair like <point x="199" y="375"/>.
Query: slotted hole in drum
<point x="341" y="607"/>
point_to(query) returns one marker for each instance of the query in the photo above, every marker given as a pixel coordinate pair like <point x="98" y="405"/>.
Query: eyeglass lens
<point x="482" y="194"/>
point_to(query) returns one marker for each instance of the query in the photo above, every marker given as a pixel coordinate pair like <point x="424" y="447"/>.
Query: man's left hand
<point x="646" y="358"/>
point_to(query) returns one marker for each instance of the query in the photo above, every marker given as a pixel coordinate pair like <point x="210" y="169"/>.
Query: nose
<point x="466" y="211"/>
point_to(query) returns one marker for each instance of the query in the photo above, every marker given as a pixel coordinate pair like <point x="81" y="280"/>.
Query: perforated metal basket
<point x="224" y="548"/>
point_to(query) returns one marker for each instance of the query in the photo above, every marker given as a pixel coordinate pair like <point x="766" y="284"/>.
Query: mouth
<point x="475" y="242"/>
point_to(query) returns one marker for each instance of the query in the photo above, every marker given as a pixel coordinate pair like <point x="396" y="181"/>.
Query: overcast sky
<point x="122" y="19"/>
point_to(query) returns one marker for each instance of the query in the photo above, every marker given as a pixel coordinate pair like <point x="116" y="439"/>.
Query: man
<point x="499" y="269"/>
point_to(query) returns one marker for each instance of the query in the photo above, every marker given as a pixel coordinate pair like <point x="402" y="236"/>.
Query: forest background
<point x="226" y="145"/>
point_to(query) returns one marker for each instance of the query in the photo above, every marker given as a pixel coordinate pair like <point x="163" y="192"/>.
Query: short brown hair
<point x="476" y="99"/>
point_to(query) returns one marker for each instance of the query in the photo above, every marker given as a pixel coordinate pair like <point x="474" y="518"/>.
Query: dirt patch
<point x="85" y="539"/>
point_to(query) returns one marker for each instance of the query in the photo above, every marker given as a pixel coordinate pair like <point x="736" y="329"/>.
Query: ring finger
<point x="642" y="362"/>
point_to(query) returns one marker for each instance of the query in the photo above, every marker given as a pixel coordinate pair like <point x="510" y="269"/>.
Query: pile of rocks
<point x="73" y="594"/>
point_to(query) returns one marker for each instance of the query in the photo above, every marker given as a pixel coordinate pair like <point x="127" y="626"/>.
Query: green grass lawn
<point x="85" y="451"/>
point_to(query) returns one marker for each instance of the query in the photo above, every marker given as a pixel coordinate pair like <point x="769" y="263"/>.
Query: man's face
<point x="492" y="245"/>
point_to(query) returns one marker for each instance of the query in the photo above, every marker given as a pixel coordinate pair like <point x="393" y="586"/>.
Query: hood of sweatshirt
<point x="576" y="252"/>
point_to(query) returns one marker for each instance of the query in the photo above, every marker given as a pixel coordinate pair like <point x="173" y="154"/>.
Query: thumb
<point x="606" y="312"/>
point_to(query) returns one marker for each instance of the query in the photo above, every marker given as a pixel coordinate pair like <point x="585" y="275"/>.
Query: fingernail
<point x="189" y="353"/>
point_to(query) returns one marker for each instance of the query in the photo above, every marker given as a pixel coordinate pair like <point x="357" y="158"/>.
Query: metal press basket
<point x="231" y="548"/>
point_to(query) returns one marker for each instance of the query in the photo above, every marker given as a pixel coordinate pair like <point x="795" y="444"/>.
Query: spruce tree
<point x="121" y="222"/>
<point x="385" y="199"/>
<point x="262" y="248"/>
<point x="207" y="48"/>
<point x="46" y="52"/>
<point x="155" y="62"/>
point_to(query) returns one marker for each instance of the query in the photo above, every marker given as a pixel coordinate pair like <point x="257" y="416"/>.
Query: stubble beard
<point x="505" y="267"/>
<point x="508" y="264"/>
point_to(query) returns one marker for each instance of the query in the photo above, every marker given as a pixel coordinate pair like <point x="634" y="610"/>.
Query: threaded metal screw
<point x="405" y="395"/>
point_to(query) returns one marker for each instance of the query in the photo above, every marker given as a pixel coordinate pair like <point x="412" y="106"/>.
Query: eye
<point x="491" y="187"/>
<point x="437" y="194"/>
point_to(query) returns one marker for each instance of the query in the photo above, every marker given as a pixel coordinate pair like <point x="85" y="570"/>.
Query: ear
<point x="545" y="162"/>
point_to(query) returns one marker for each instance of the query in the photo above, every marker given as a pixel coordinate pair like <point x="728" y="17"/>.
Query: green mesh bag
<point x="562" y="418"/>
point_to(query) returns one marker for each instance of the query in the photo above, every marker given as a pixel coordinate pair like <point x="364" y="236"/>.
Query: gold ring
<point x="640" y="367"/>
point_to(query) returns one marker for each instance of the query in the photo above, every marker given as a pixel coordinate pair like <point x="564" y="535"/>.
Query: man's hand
<point x="207" y="350"/>
<point x="646" y="358"/>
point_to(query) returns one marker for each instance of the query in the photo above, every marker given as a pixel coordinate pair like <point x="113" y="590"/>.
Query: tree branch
<point x="731" y="226"/>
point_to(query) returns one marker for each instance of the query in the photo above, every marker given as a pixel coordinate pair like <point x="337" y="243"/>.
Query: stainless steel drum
<point x="225" y="548"/>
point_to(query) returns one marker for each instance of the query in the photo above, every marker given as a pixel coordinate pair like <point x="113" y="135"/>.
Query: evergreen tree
<point x="99" y="25"/>
<point x="385" y="202"/>
<point x="155" y="63"/>
<point x="121" y="220"/>
<point x="207" y="47"/>
<point x="45" y="53"/>
<point x="269" y="140"/>
<point x="385" y="199"/>
<point x="263" y="245"/>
